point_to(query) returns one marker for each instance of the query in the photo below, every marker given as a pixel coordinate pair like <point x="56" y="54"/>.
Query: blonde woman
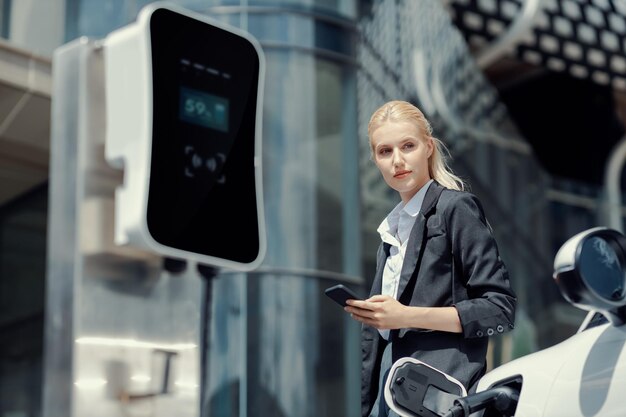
<point x="440" y="288"/>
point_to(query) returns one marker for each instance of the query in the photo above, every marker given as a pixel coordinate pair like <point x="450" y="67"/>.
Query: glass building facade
<point x="278" y="346"/>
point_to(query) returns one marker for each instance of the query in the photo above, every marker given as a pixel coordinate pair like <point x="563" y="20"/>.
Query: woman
<point x="440" y="287"/>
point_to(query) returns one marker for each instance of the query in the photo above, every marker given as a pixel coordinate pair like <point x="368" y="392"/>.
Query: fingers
<point x="363" y="305"/>
<point x="378" y="298"/>
<point x="371" y="312"/>
<point x="362" y="319"/>
<point x="369" y="303"/>
<point x="360" y="312"/>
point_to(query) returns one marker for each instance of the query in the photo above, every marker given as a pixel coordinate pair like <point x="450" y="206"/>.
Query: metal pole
<point x="612" y="183"/>
<point x="208" y="273"/>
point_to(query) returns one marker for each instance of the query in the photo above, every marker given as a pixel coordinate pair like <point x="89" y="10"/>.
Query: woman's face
<point x="401" y="154"/>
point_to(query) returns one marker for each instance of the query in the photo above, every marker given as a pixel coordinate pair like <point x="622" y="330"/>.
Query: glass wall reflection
<point x="280" y="347"/>
<point x="302" y="354"/>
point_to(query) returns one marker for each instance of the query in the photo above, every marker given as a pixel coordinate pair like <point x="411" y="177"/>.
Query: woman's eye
<point x="383" y="151"/>
<point x="409" y="145"/>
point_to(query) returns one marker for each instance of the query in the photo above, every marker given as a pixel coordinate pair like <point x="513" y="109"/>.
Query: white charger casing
<point x="390" y="380"/>
<point x="129" y="125"/>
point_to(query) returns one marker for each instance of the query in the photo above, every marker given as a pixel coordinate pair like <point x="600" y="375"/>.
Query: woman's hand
<point x="379" y="311"/>
<point x="384" y="312"/>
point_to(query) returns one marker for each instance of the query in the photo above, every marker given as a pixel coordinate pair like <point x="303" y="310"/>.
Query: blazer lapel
<point x="381" y="258"/>
<point x="412" y="254"/>
<point x="414" y="245"/>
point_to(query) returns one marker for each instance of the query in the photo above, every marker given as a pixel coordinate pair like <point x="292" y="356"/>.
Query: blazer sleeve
<point x="490" y="304"/>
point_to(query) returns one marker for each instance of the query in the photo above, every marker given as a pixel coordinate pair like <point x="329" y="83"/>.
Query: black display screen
<point x="202" y="195"/>
<point x="203" y="109"/>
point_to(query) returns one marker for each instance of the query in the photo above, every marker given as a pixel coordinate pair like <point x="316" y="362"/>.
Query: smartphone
<point x="340" y="293"/>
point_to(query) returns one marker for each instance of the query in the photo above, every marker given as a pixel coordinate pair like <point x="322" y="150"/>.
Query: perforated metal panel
<point x="585" y="38"/>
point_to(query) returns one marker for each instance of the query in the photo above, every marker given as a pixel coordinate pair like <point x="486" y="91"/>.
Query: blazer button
<point x="500" y="329"/>
<point x="479" y="333"/>
<point x="490" y="331"/>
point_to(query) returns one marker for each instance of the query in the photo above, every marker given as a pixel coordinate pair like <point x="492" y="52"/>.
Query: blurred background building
<point x="528" y="96"/>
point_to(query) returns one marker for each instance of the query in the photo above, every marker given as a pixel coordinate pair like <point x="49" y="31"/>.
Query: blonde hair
<point x="402" y="111"/>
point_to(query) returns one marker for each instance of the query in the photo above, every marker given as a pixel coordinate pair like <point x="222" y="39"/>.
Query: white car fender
<point x="584" y="376"/>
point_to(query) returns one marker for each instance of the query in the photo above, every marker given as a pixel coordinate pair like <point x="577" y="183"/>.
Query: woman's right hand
<point x="379" y="311"/>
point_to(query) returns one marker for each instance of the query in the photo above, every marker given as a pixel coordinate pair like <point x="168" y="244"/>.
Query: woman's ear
<point x="430" y="143"/>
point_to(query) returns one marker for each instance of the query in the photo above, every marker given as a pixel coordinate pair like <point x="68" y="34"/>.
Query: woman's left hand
<point x="379" y="311"/>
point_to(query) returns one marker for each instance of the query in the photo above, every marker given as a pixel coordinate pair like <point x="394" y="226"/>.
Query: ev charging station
<point x="155" y="180"/>
<point x="182" y="95"/>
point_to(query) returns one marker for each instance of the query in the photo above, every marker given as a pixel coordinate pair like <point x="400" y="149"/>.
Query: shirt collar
<point x="389" y="226"/>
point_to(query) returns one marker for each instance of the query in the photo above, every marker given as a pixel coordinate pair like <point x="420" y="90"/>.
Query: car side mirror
<point x="589" y="269"/>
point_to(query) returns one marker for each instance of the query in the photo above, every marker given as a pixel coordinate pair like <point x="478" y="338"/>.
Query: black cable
<point x="503" y="399"/>
<point x="455" y="411"/>
<point x="208" y="273"/>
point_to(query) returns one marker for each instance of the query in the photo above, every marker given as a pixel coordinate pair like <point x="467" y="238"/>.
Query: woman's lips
<point x="402" y="174"/>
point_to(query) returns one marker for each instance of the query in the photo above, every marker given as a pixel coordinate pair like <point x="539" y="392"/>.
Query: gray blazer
<point x="451" y="260"/>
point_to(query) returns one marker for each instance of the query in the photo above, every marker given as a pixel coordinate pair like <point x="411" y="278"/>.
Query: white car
<point x="583" y="376"/>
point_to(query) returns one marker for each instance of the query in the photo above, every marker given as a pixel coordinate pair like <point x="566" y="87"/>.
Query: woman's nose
<point x="397" y="158"/>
